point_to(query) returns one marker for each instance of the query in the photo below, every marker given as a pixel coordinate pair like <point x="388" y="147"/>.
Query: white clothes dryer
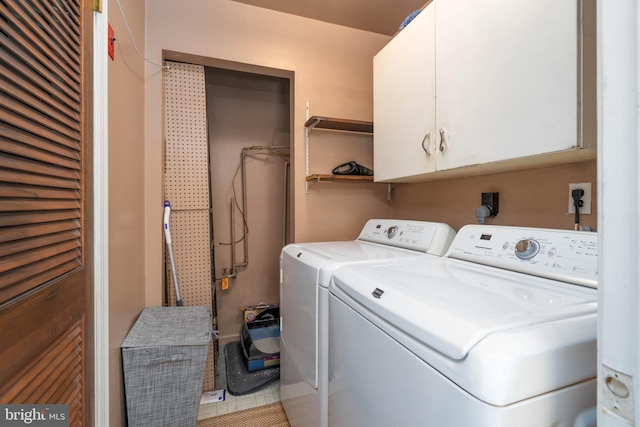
<point x="306" y="271"/>
<point x="499" y="332"/>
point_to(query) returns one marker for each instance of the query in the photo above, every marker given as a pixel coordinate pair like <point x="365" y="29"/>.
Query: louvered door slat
<point x="37" y="242"/>
<point x="75" y="408"/>
<point x="31" y="379"/>
<point x="57" y="371"/>
<point x="34" y="35"/>
<point x="37" y="192"/>
<point x="39" y="64"/>
<point x="47" y="20"/>
<point x="56" y="19"/>
<point x="38" y="205"/>
<point x="36" y="96"/>
<point x="36" y="218"/>
<point x="34" y="167"/>
<point x="28" y="95"/>
<point x="29" y="126"/>
<point x="32" y="179"/>
<point x="29" y="376"/>
<point x="47" y="372"/>
<point x="64" y="385"/>
<point x="15" y="50"/>
<point x="18" y="233"/>
<point x="19" y="281"/>
<point x="66" y="369"/>
<point x="21" y="259"/>
<point x="75" y="405"/>
<point x="17" y="135"/>
<point x="13" y="104"/>
<point x="71" y="12"/>
<point x="45" y="240"/>
<point x="21" y="150"/>
<point x="9" y="62"/>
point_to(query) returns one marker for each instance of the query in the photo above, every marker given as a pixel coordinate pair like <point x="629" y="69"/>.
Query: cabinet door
<point x="404" y="102"/>
<point x="506" y="79"/>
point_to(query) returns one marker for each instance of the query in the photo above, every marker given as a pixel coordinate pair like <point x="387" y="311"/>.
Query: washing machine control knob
<point x="392" y="231"/>
<point x="527" y="248"/>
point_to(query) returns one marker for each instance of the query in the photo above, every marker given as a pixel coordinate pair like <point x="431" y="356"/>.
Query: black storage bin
<point x="260" y="342"/>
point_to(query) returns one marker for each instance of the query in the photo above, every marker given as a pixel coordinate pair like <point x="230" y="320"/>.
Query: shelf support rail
<point x="390" y="188"/>
<point x="306" y="148"/>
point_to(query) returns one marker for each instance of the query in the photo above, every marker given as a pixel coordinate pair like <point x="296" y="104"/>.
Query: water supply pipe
<point x="243" y="180"/>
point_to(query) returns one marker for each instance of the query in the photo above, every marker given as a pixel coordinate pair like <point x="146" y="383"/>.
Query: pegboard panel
<point x="192" y="254"/>
<point x="191" y="242"/>
<point x="209" y="372"/>
<point x="187" y="188"/>
<point x="186" y="141"/>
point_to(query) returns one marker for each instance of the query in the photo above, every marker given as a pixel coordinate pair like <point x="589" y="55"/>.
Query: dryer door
<point x="298" y="311"/>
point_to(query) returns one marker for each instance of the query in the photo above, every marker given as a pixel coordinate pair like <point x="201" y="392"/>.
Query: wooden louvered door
<point x="45" y="204"/>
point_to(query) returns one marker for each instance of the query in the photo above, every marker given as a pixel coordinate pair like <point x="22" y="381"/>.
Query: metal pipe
<point x="245" y="220"/>
<point x="285" y="219"/>
<point x="233" y="239"/>
<point x="245" y="208"/>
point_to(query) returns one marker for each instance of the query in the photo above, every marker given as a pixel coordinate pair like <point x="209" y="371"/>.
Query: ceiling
<point x="378" y="16"/>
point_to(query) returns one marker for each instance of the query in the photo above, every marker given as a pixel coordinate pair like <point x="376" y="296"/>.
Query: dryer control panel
<point x="429" y="237"/>
<point x="566" y="255"/>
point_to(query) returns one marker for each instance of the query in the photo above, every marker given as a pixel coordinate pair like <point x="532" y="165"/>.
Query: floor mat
<point x="271" y="415"/>
<point x="239" y="380"/>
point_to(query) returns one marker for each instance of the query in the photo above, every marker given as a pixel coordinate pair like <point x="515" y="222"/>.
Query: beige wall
<point x="532" y="198"/>
<point x="333" y="71"/>
<point x="332" y="68"/>
<point x="231" y="98"/>
<point x="126" y="191"/>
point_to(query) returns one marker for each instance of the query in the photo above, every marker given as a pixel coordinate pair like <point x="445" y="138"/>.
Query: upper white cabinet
<point x="471" y="87"/>
<point x="404" y="108"/>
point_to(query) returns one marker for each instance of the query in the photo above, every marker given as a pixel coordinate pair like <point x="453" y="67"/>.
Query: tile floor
<point x="264" y="396"/>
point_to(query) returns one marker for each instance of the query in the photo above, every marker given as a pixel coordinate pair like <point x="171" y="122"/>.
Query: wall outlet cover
<point x="586" y="199"/>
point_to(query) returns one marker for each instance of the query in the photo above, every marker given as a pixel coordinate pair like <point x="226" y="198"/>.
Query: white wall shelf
<point x="335" y="125"/>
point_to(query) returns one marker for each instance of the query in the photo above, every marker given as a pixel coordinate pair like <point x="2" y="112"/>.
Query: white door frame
<point x="619" y="212"/>
<point x="101" y="223"/>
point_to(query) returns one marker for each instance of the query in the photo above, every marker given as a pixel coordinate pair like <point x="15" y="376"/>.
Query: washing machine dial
<point x="527" y="248"/>
<point x="392" y="231"/>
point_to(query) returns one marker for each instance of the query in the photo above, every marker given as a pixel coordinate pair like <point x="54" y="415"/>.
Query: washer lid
<point x="356" y="250"/>
<point x="452" y="305"/>
<point x="328" y="256"/>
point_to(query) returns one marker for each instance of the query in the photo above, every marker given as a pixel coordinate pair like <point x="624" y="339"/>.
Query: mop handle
<point x="167" y="235"/>
<point x="167" y="232"/>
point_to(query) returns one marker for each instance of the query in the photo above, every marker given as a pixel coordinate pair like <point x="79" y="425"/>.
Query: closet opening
<point x="249" y="147"/>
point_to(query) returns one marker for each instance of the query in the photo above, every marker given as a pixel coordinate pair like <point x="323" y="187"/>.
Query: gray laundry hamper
<point x="164" y="357"/>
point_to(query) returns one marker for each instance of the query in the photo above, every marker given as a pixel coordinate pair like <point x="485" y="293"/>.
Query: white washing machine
<point x="499" y="332"/>
<point x="306" y="271"/>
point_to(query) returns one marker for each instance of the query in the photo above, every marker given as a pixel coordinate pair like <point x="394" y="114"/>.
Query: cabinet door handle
<point x="443" y="140"/>
<point x="427" y="139"/>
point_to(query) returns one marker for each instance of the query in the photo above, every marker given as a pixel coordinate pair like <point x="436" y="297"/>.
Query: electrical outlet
<point x="492" y="201"/>
<point x="586" y="199"/>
